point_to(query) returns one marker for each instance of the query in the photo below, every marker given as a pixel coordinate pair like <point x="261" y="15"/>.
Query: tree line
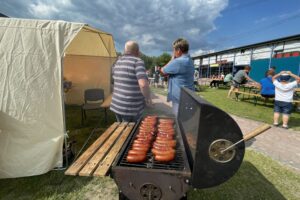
<point x="152" y="61"/>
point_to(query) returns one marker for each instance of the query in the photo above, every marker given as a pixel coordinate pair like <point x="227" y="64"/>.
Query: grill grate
<point x="150" y="163"/>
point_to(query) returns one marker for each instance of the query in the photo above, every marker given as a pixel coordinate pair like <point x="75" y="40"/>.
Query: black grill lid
<point x="206" y="130"/>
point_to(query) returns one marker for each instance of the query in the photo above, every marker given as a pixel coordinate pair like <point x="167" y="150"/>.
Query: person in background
<point x="131" y="90"/>
<point x="181" y="72"/>
<point x="284" y="91"/>
<point x="215" y="81"/>
<point x="222" y="76"/>
<point x="272" y="69"/>
<point x="267" y="88"/>
<point x="156" y="77"/>
<point x="196" y="77"/>
<point x="227" y="79"/>
<point x="241" y="77"/>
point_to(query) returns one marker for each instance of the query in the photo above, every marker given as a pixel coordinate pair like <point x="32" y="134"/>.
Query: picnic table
<point x="253" y="90"/>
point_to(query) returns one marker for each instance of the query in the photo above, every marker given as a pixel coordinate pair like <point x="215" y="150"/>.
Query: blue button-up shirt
<point x="181" y="74"/>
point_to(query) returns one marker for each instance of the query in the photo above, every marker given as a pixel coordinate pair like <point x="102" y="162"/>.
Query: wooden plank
<point x="83" y="159"/>
<point x="105" y="165"/>
<point x="92" y="164"/>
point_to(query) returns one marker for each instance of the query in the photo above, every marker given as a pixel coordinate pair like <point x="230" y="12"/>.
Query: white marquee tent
<point x="35" y="55"/>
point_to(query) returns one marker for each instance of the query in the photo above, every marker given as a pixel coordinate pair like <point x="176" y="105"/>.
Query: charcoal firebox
<point x="202" y="132"/>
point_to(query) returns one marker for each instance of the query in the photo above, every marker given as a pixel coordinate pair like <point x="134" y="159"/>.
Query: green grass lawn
<point x="244" y="108"/>
<point x="259" y="177"/>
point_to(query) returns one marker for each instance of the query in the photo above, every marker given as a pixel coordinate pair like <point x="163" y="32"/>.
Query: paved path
<point x="280" y="144"/>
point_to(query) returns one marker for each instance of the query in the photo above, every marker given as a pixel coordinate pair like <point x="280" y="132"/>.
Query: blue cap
<point x="284" y="77"/>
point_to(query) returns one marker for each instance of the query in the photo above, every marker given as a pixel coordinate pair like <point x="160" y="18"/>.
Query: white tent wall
<point x="31" y="114"/>
<point x="86" y="72"/>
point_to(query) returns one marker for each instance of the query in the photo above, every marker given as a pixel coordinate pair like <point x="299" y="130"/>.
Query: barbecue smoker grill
<point x="202" y="132"/>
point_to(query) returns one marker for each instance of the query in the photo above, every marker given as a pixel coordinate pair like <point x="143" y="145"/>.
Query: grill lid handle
<point x="249" y="136"/>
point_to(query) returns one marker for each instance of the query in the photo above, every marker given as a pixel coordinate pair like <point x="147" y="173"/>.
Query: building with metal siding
<point x="283" y="53"/>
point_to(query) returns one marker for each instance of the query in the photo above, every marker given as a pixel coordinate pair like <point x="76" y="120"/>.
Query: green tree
<point x="148" y="60"/>
<point x="163" y="59"/>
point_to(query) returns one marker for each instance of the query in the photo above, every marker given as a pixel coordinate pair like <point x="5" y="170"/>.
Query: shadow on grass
<point x="247" y="184"/>
<point x="52" y="184"/>
<point x="95" y="120"/>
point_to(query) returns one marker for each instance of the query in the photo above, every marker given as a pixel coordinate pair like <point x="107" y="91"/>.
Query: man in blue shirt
<point x="181" y="72"/>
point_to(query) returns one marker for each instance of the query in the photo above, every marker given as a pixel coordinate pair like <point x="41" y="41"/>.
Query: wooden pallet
<point x="98" y="158"/>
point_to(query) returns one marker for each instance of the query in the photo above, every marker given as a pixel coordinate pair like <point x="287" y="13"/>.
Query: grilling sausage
<point x="162" y="145"/>
<point x="165" y="130"/>
<point x="141" y="142"/>
<point x="140" y="148"/>
<point x="171" y="143"/>
<point x="166" y="121"/>
<point x="135" y="144"/>
<point x="135" y="158"/>
<point x="163" y="138"/>
<point x="165" y="157"/>
<point x="162" y="151"/>
<point x="165" y="126"/>
<point x="166" y="136"/>
<point x="136" y="152"/>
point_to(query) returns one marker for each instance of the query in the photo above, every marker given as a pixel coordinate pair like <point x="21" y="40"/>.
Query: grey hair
<point x="131" y="47"/>
<point x="181" y="44"/>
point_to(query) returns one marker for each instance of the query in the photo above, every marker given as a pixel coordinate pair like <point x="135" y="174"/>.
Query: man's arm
<point x="297" y="78"/>
<point x="249" y="79"/>
<point x="144" y="86"/>
<point x="276" y="76"/>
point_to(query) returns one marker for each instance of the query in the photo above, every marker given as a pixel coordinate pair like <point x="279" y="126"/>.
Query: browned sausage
<point x="171" y="143"/>
<point x="141" y="142"/>
<point x="150" y="129"/>
<point x="135" y="144"/>
<point x="166" y="130"/>
<point x="165" y="126"/>
<point x="167" y="136"/>
<point x="134" y="158"/>
<point x="165" y="157"/>
<point x="166" y="121"/>
<point x="140" y="148"/>
<point x="134" y="151"/>
<point x="162" y="146"/>
<point x="162" y="151"/>
<point x="146" y="133"/>
<point x="144" y="137"/>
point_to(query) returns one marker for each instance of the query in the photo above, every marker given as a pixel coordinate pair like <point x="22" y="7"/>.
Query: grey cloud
<point x="153" y="23"/>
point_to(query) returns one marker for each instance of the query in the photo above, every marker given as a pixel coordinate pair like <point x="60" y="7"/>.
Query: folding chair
<point x="93" y="98"/>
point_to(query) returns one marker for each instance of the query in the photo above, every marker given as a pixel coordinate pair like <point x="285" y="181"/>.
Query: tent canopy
<point x="34" y="57"/>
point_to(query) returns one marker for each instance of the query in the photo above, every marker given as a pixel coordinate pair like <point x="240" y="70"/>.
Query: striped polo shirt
<point x="127" y="97"/>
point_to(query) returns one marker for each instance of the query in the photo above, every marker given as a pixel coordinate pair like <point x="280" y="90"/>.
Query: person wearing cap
<point x="284" y="91"/>
<point x="181" y="72"/>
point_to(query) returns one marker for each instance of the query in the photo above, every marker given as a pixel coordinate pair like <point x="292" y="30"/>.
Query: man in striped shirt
<point x="131" y="89"/>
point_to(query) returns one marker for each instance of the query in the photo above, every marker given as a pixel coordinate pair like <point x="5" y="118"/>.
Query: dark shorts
<point x="268" y="95"/>
<point x="283" y="107"/>
<point x="236" y="84"/>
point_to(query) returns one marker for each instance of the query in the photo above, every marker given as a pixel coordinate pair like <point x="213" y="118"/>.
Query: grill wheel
<point x="150" y="192"/>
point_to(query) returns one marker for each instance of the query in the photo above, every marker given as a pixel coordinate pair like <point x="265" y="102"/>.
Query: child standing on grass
<point x="284" y="91"/>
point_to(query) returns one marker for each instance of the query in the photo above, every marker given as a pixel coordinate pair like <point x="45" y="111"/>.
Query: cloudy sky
<point x="209" y="25"/>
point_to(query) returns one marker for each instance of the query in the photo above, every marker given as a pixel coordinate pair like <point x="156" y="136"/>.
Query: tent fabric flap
<point x="31" y="110"/>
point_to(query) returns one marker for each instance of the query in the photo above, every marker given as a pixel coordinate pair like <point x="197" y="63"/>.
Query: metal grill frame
<point x="177" y="164"/>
